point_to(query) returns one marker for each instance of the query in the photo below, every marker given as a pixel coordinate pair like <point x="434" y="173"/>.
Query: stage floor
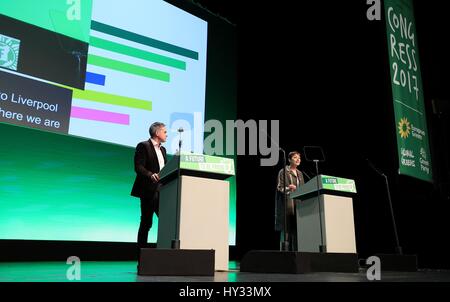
<point x="125" y="271"/>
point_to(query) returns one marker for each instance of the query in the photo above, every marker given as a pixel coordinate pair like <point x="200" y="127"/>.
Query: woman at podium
<point x="289" y="179"/>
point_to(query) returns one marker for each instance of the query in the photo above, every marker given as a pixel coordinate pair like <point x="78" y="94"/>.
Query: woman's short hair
<point x="291" y="154"/>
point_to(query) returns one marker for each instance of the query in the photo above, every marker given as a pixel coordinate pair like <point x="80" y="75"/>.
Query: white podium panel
<point x="204" y="216"/>
<point x="338" y="229"/>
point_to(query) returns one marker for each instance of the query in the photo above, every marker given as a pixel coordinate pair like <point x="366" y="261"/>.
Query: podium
<point x="194" y="209"/>
<point x="335" y="227"/>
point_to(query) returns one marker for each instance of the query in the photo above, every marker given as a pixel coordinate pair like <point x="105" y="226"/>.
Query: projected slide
<point x="137" y="74"/>
<point x="80" y="84"/>
<point x="123" y="68"/>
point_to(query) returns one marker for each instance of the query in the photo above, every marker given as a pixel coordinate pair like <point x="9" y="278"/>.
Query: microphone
<point x="306" y="174"/>
<point x="180" y="142"/>
<point x="77" y="53"/>
<point x="374" y="168"/>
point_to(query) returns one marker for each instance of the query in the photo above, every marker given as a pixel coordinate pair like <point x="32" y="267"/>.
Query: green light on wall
<point x="70" y="18"/>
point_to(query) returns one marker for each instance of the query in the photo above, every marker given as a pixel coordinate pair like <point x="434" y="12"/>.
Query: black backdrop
<point x="321" y="69"/>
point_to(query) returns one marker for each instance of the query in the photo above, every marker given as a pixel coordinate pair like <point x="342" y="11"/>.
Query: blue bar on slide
<point x="95" y="78"/>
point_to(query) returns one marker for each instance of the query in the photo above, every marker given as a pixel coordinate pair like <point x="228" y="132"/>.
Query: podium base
<point x="176" y="262"/>
<point x="398" y="263"/>
<point x="287" y="262"/>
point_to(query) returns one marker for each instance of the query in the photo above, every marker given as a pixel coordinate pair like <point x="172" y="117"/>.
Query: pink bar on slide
<point x="100" y="115"/>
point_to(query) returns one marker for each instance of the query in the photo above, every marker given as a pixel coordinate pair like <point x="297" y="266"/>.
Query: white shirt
<point x="158" y="154"/>
<point x="297" y="182"/>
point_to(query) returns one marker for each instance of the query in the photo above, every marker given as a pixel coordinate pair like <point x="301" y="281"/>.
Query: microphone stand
<point x="322" y="247"/>
<point x="398" y="248"/>
<point x="316" y="158"/>
<point x="176" y="241"/>
<point x="285" y="242"/>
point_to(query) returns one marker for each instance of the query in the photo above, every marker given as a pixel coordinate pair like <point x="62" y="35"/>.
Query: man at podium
<point x="149" y="159"/>
<point x="289" y="179"/>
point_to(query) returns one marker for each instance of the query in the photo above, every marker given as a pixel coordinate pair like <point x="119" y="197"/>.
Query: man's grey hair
<point x="155" y="127"/>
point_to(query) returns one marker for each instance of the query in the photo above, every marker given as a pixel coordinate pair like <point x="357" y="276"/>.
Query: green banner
<point x="338" y="184"/>
<point x="207" y="163"/>
<point x="407" y="92"/>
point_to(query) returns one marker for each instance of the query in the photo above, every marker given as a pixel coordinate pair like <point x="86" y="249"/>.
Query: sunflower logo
<point x="404" y="127"/>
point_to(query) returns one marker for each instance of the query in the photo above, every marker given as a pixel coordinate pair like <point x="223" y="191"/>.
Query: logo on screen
<point x="9" y="52"/>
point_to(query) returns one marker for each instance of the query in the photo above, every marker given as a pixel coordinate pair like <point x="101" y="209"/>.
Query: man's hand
<point x="292" y="188"/>
<point x="155" y="177"/>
